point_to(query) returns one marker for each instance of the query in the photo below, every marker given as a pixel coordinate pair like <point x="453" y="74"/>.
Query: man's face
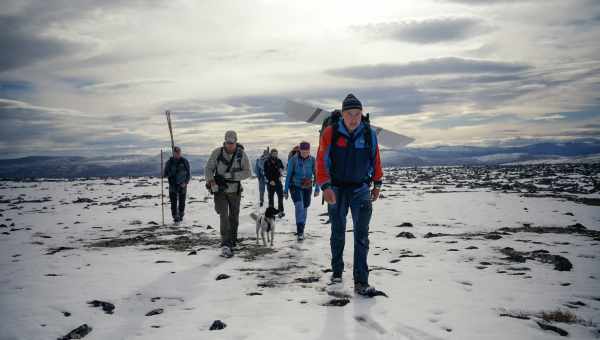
<point x="274" y="154"/>
<point x="177" y="153"/>
<point x="230" y="147"/>
<point x="352" y="118"/>
<point x="304" y="153"/>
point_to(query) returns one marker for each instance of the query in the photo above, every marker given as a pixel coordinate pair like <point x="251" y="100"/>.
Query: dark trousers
<point x="177" y="198"/>
<point x="261" y="190"/>
<point x="277" y="188"/>
<point x="301" y="198"/>
<point x="227" y="206"/>
<point x="359" y="203"/>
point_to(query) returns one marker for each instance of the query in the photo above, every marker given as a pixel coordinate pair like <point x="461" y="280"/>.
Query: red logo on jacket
<point x="341" y="142"/>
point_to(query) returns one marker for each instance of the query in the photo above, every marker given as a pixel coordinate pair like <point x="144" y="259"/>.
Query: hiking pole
<point x="168" y="114"/>
<point x="162" y="189"/>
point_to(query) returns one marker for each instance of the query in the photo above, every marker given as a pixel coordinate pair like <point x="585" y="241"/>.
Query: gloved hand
<point x="375" y="194"/>
<point x="329" y="196"/>
<point x="272" y="183"/>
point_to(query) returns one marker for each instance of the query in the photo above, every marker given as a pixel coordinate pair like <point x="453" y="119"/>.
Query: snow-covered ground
<point x="457" y="288"/>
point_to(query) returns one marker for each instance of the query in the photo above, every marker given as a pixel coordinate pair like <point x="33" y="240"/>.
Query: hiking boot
<point x="261" y="204"/>
<point x="300" y="237"/>
<point x="364" y="289"/>
<point x="336" y="279"/>
<point x="226" y="252"/>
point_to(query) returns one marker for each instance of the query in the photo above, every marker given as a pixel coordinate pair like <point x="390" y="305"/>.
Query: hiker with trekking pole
<point x="227" y="166"/>
<point x="299" y="181"/>
<point x="350" y="175"/>
<point x="177" y="170"/>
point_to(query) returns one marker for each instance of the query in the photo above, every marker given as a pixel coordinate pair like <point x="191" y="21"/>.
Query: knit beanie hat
<point x="351" y="102"/>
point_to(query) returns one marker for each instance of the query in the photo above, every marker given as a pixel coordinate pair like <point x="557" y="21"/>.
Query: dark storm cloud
<point x="22" y="45"/>
<point x="427" y="31"/>
<point x="30" y="129"/>
<point x="439" y="66"/>
<point x="23" y="33"/>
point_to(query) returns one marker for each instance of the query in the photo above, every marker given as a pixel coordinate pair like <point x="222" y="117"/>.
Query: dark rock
<point x="430" y="235"/>
<point x="452" y="249"/>
<point x="406" y="234"/>
<point x="516" y="316"/>
<point x="67" y="314"/>
<point x="253" y="294"/>
<point x="309" y="279"/>
<point x="193" y="252"/>
<point x="217" y="325"/>
<point x="52" y="251"/>
<point x="492" y="237"/>
<point x="337" y="302"/>
<point x="162" y="261"/>
<point x="222" y="277"/>
<point x="155" y="312"/>
<point x="83" y="200"/>
<point x="77" y="333"/>
<point x="471" y="247"/>
<point x="107" y="307"/>
<point x="405" y="225"/>
<point x="548" y="327"/>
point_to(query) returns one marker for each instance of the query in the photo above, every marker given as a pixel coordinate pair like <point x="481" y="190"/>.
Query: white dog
<point x="265" y="223"/>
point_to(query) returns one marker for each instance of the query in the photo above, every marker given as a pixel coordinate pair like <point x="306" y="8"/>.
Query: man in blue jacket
<point x="259" y="171"/>
<point x="300" y="179"/>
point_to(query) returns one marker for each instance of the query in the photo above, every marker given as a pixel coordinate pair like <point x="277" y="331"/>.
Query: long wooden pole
<point x="162" y="188"/>
<point x="168" y="114"/>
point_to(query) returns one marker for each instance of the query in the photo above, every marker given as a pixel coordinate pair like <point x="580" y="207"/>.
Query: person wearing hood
<point x="299" y="181"/>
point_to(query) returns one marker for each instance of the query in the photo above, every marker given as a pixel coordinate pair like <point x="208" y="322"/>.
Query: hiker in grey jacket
<point x="177" y="170"/>
<point x="226" y="168"/>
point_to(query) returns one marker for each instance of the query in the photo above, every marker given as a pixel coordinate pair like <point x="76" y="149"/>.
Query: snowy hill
<point x="141" y="165"/>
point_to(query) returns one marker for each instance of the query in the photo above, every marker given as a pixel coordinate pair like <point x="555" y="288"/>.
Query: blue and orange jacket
<point x="349" y="163"/>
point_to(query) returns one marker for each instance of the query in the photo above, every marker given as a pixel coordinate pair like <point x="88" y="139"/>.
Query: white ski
<point x="314" y="115"/>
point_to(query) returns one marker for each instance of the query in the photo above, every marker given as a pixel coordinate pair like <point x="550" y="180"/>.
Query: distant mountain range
<point x="585" y="150"/>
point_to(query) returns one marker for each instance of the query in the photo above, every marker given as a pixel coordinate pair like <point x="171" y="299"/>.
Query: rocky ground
<point x="461" y="253"/>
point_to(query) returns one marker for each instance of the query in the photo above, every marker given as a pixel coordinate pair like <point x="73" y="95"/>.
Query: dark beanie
<point x="351" y="102"/>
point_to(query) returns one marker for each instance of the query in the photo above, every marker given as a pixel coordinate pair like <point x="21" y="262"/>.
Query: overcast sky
<point x="94" y="77"/>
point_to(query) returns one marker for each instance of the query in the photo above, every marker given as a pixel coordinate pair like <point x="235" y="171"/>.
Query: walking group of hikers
<point x="347" y="169"/>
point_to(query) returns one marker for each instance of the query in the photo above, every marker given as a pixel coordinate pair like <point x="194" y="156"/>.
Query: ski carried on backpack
<point x="168" y="114"/>
<point x="309" y="114"/>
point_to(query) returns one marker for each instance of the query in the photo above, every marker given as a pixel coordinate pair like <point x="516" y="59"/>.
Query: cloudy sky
<point x="94" y="77"/>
